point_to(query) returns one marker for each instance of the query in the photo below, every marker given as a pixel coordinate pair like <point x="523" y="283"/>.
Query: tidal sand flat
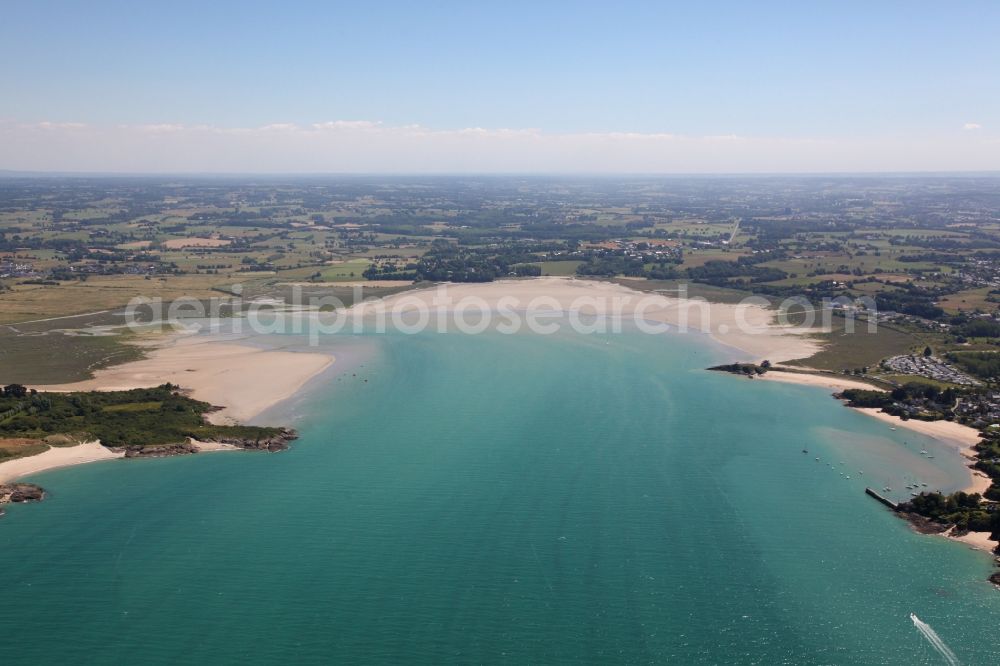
<point x="495" y="498"/>
<point x="243" y="379"/>
<point x="752" y="327"/>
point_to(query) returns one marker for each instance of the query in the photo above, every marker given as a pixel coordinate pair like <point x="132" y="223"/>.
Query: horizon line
<point x="18" y="173"/>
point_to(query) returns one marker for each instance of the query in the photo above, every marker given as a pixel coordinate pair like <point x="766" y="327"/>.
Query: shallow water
<point x="506" y="499"/>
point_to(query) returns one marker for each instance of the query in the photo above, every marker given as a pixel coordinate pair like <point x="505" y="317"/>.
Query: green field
<point x="558" y="267"/>
<point x="56" y="358"/>
<point x="847" y="351"/>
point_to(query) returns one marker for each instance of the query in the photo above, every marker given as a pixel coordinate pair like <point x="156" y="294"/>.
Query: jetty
<point x="884" y="500"/>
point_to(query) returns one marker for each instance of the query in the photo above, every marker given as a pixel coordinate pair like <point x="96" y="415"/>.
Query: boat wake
<point x="935" y="640"/>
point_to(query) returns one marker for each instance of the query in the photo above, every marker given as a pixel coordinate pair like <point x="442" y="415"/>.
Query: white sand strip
<point x="831" y="382"/>
<point x="977" y="540"/>
<point x="53" y="458"/>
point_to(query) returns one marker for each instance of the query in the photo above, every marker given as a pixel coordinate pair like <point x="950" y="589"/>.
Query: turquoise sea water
<point x="506" y="499"/>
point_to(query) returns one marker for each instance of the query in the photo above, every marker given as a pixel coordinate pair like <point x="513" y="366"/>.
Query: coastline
<point x="54" y="458"/>
<point x="975" y="540"/>
<point x="824" y="381"/>
<point x="962" y="438"/>
<point x="244" y="381"/>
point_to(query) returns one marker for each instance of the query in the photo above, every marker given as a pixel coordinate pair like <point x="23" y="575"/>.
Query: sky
<point x="432" y="87"/>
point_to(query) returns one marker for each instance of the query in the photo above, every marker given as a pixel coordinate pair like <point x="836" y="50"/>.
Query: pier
<point x="884" y="500"/>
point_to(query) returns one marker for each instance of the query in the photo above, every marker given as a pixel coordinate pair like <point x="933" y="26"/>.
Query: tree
<point x="15" y="391"/>
<point x="927" y="352"/>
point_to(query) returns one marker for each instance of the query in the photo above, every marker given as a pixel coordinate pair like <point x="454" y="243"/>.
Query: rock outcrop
<point x="16" y="493"/>
<point x="278" y="442"/>
<point x="160" y="451"/>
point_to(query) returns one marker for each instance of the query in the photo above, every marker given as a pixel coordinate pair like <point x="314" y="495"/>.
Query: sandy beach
<point x="831" y="382"/>
<point x="55" y="457"/>
<point x="949" y="431"/>
<point x="242" y="379"/>
<point x="976" y="540"/>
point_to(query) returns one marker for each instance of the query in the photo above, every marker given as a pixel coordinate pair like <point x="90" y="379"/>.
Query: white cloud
<point x="346" y="125"/>
<point x="972" y="126"/>
<point x="279" y="127"/>
<point x="364" y="146"/>
<point x="158" y="128"/>
<point x="47" y="125"/>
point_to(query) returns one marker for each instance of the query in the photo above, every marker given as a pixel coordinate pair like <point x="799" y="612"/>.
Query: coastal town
<point x="929" y="367"/>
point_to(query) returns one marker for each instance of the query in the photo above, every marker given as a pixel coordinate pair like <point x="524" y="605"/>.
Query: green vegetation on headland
<point x="936" y="513"/>
<point x="747" y="369"/>
<point x="150" y="422"/>
<point x="965" y="511"/>
<point x="957" y="514"/>
<point x="915" y="400"/>
<point x="141" y="421"/>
